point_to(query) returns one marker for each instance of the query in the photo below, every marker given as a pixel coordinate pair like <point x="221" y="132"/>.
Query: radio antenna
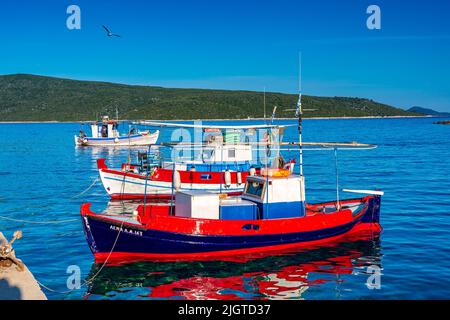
<point x="299" y="112"/>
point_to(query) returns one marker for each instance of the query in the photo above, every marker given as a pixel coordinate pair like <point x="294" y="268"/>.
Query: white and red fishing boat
<point x="105" y="133"/>
<point x="221" y="166"/>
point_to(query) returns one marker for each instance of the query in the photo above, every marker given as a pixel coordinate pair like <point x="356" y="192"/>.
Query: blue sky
<point x="240" y="45"/>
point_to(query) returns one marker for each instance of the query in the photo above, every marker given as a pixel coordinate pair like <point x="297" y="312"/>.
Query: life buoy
<point x="275" y="172"/>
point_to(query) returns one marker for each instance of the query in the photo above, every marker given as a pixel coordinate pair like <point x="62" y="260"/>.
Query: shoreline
<point x="245" y="119"/>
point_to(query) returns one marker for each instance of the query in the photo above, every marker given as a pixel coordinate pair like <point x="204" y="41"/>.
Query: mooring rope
<point x="90" y="280"/>
<point x="38" y="222"/>
<point x="51" y="221"/>
<point x="86" y="190"/>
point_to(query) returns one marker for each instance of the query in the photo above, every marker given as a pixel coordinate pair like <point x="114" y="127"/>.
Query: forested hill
<point x="37" y="98"/>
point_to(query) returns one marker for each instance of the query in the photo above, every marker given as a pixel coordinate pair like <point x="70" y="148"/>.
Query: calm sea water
<point x="41" y="171"/>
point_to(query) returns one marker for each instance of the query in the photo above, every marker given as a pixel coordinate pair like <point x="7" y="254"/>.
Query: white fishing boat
<point x="221" y="163"/>
<point x="106" y="133"/>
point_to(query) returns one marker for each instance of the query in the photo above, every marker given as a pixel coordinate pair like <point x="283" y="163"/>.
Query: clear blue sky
<point x="240" y="45"/>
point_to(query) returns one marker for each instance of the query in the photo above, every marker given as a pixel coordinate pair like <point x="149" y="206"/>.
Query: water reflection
<point x="289" y="275"/>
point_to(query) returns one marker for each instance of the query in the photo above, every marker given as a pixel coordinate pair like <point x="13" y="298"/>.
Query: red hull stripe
<point x="165" y="175"/>
<point x="132" y="196"/>
<point x="127" y="196"/>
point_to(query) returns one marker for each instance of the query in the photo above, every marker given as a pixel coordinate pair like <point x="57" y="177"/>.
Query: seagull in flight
<point x="109" y="33"/>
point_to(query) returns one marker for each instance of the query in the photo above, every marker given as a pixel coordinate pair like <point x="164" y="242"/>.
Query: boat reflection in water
<point x="330" y="271"/>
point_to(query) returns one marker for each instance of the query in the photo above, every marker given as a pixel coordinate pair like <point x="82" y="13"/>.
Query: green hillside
<point x="37" y="98"/>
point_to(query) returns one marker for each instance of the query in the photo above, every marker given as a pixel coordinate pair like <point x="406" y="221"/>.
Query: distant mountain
<point x="429" y="112"/>
<point x="37" y="98"/>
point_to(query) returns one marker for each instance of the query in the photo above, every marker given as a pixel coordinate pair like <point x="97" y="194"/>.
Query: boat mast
<point x="299" y="113"/>
<point x="264" y="104"/>
<point x="273" y="113"/>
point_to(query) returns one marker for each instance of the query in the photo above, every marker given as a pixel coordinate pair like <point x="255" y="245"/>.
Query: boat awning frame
<point x="205" y="126"/>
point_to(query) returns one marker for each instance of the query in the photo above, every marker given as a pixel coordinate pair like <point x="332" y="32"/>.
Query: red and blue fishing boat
<point x="270" y="215"/>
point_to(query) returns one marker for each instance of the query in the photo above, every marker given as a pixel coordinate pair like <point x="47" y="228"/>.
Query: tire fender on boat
<point x="227" y="178"/>
<point x="239" y="177"/>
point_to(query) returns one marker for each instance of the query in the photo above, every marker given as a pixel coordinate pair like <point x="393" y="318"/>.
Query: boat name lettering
<point x="126" y="230"/>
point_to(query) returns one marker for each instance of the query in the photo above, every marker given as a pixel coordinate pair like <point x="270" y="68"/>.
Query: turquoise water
<point x="41" y="171"/>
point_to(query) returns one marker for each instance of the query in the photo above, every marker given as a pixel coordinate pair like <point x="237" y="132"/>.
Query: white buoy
<point x="176" y="180"/>
<point x="239" y="177"/>
<point x="252" y="171"/>
<point x="116" y="140"/>
<point x="227" y="178"/>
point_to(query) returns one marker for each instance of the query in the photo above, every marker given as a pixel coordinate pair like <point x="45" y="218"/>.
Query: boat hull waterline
<point x="172" y="238"/>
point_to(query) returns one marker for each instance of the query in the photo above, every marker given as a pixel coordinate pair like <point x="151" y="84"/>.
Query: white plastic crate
<point x="197" y="204"/>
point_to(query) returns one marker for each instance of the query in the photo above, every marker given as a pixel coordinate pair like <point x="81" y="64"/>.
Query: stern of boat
<point x="77" y="140"/>
<point x="372" y="214"/>
<point x="369" y="224"/>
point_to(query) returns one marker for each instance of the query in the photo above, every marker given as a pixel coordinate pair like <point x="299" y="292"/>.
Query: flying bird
<point x="109" y="33"/>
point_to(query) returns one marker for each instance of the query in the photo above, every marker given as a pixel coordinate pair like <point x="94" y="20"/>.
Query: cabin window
<point x="232" y="153"/>
<point x="104" y="131"/>
<point x="254" y="189"/>
<point x="208" y="154"/>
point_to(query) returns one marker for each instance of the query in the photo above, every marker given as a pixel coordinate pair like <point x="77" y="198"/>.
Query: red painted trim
<point x="101" y="164"/>
<point x="228" y="255"/>
<point x="315" y="206"/>
<point x="86" y="209"/>
<point x="186" y="176"/>
<point x="126" y="196"/>
<point x="133" y="196"/>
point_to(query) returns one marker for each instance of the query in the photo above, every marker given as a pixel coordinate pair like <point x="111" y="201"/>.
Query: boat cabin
<point x="227" y="153"/>
<point x="105" y="128"/>
<point x="263" y="198"/>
